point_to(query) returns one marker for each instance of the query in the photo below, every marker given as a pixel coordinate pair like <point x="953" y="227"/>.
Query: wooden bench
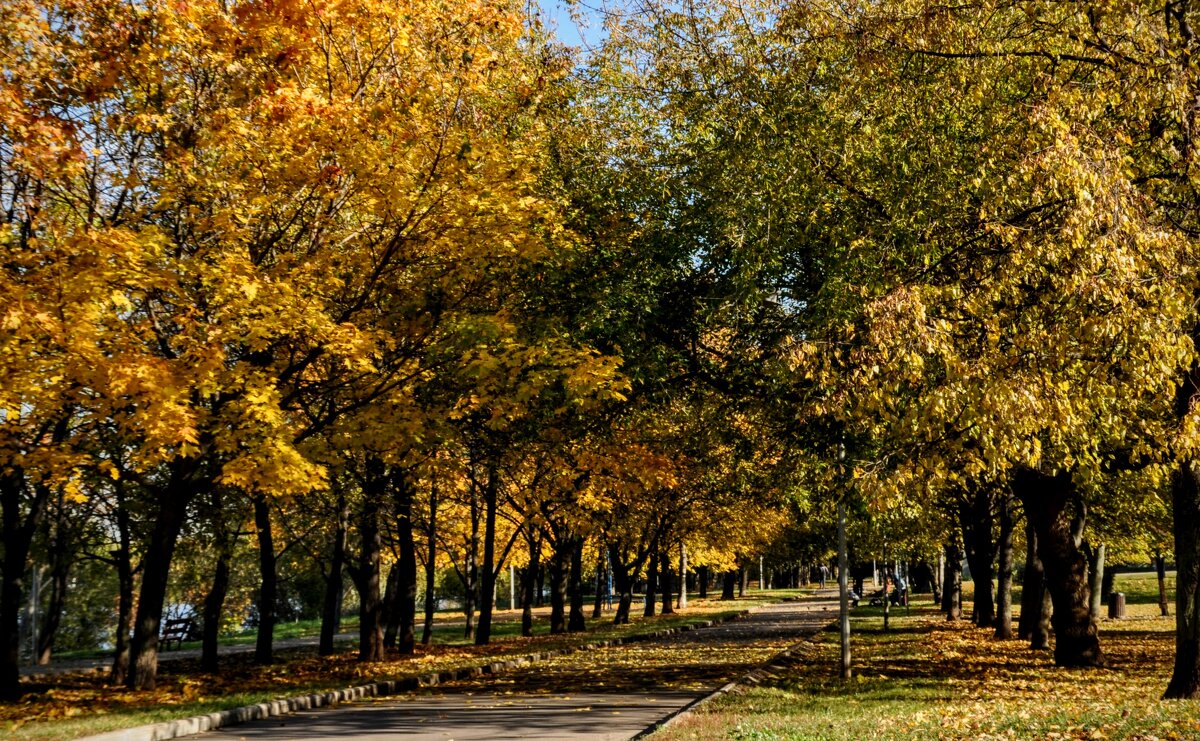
<point x="177" y="630"/>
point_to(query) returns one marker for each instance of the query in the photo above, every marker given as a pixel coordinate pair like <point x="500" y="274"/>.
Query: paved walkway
<point x="613" y="693"/>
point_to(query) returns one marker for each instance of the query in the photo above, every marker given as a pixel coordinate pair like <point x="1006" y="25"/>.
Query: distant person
<point x="824" y="574"/>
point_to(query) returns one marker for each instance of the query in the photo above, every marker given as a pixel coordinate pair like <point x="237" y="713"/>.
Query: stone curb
<point x="755" y="676"/>
<point x="200" y="723"/>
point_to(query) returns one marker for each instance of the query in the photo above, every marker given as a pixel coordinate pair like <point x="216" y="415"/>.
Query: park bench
<point x="177" y="630"/>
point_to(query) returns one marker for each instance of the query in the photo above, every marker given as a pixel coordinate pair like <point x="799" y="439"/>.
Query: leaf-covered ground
<point x="927" y="678"/>
<point x="77" y="705"/>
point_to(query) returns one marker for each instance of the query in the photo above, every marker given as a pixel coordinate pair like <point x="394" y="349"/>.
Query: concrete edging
<point x="220" y="719"/>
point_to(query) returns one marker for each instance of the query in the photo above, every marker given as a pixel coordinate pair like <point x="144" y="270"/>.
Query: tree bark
<point x="430" y="567"/>
<point x="702" y="581"/>
<point x="170" y="512"/>
<point x="487" y="571"/>
<point x="366" y="576"/>
<point x="598" y="604"/>
<point x="952" y="583"/>
<point x="623" y="584"/>
<point x="1004" y="576"/>
<point x="729" y="585"/>
<point x="977" y="536"/>
<point x="331" y="607"/>
<point x="560" y="563"/>
<point x="214" y="601"/>
<point x="664" y="560"/>
<point x="60" y="566"/>
<point x="1185" y="494"/>
<point x="406" y="587"/>
<point x="529" y="581"/>
<point x="1046" y="498"/>
<point x="575" y="620"/>
<point x="18" y="527"/>
<point x="1031" y="589"/>
<point x="265" y="639"/>
<point x="391" y="610"/>
<point x="651" y="582"/>
<point x="122" y="554"/>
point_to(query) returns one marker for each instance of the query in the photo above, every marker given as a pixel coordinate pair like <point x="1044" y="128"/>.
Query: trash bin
<point x="1116" y="605"/>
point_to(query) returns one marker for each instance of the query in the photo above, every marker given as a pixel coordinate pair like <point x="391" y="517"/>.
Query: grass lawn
<point x="926" y="678"/>
<point x="80" y="705"/>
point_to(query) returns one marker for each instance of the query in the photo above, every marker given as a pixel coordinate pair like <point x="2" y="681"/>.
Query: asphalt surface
<point x="604" y="695"/>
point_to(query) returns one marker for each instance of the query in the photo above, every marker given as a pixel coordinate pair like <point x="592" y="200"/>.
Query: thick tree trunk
<point x="171" y="511"/>
<point x="1160" y="568"/>
<point x="598" y="604"/>
<point x="575" y="620"/>
<point x="1004" y="576"/>
<point x="264" y="643"/>
<point x="1076" y="639"/>
<point x="1185" y="492"/>
<point x="18" y="527"/>
<point x="729" y="585"/>
<point x="743" y="581"/>
<point x="702" y="581"/>
<point x="1095" y="558"/>
<point x="981" y="555"/>
<point x="331" y="607"/>
<point x="651" y="582"/>
<point x="952" y="583"/>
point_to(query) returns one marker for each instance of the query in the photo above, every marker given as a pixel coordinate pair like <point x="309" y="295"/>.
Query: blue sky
<point x="556" y="14"/>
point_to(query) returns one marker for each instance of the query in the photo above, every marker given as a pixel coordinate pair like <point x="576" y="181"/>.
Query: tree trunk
<point x="406" y="587"/>
<point x="124" y="560"/>
<point x="743" y="581"/>
<point x="1031" y="589"/>
<point x="952" y="583"/>
<point x="651" y="582"/>
<point x="1077" y="642"/>
<point x="529" y="581"/>
<point x="171" y="509"/>
<point x="18" y="528"/>
<point x="729" y="585"/>
<point x="331" y="607"/>
<point x="430" y="567"/>
<point x="977" y="536"/>
<point x="1185" y="493"/>
<point x="560" y="563"/>
<point x="60" y="566"/>
<point x="1160" y="568"/>
<point x="623" y="584"/>
<point x="1095" y="557"/>
<point x="214" y="601"/>
<point x="391" y="610"/>
<point x="1004" y="580"/>
<point x="487" y="571"/>
<point x="598" y="604"/>
<point x="668" y="599"/>
<point x="366" y="576"/>
<point x="702" y="581"/>
<point x="575" y="621"/>
<point x="264" y="642"/>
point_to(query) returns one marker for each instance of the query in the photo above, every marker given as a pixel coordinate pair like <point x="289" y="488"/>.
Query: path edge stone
<point x="172" y="729"/>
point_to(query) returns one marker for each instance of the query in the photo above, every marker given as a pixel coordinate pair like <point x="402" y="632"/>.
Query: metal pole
<point x="762" y="575"/>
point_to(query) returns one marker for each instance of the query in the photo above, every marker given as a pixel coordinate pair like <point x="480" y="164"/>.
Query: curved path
<point x="611" y="693"/>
